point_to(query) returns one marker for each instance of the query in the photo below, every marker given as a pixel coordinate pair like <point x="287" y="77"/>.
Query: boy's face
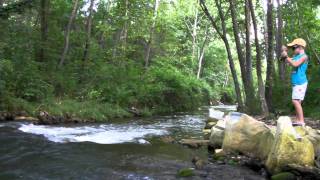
<point x="297" y="49"/>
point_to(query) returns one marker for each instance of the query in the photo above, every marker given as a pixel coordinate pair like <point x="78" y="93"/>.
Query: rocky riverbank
<point x="274" y="148"/>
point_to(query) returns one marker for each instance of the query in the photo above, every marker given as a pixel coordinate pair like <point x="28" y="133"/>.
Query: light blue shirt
<point x="298" y="75"/>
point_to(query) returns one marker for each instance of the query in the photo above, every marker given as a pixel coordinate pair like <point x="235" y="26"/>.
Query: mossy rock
<point x="288" y="148"/>
<point x="284" y="176"/>
<point x="186" y="172"/>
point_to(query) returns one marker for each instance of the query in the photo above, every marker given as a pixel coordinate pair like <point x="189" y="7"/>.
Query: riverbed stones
<point x="248" y="136"/>
<point x="289" y="147"/>
<point x="194" y="143"/>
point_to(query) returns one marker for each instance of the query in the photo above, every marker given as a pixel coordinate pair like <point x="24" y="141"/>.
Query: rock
<point x="6" y="116"/>
<point x="313" y="135"/>
<point x="216" y="137"/>
<point x="168" y="139"/>
<point x="289" y="147"/>
<point x="215" y="115"/>
<point x="284" y="176"/>
<point x="25" y="118"/>
<point x="246" y="135"/>
<point x="303" y="171"/>
<point x="194" y="143"/>
<point x="198" y="162"/>
<point x="209" y="125"/>
<point x="186" y="172"/>
<point x="206" y="134"/>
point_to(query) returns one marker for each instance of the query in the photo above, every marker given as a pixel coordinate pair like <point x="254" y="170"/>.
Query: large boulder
<point x="289" y="147"/>
<point x="246" y="135"/>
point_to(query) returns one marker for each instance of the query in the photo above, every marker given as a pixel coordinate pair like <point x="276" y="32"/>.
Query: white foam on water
<point x="103" y="134"/>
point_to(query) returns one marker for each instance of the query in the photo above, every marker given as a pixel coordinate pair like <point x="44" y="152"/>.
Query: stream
<point x="121" y="149"/>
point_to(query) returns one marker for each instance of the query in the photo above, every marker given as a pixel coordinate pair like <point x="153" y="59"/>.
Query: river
<point x="120" y="149"/>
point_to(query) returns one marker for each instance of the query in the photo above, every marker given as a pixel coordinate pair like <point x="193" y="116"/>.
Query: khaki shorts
<point x="299" y="91"/>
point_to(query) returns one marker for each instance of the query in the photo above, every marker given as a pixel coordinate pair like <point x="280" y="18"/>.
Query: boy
<point x="299" y="80"/>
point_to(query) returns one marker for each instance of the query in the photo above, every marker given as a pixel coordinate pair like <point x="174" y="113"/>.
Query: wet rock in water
<point x="206" y="134"/>
<point x="198" y="162"/>
<point x="44" y="118"/>
<point x="304" y="172"/>
<point x="248" y="136"/>
<point x="26" y="118"/>
<point x="289" y="147"/>
<point x="6" y="116"/>
<point x="209" y="125"/>
<point x="284" y="176"/>
<point x="168" y="139"/>
<point x="186" y="172"/>
<point x="215" y="115"/>
<point x="194" y="143"/>
<point x="217" y="134"/>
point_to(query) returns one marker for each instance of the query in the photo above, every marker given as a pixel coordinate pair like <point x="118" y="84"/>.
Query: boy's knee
<point x="296" y="101"/>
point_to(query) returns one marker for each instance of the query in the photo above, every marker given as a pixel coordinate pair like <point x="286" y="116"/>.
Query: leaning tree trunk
<point x="223" y="36"/>
<point x="88" y="32"/>
<point x="201" y="53"/>
<point x="270" y="65"/>
<point x="155" y="14"/>
<point x="67" y="34"/>
<point x="44" y="10"/>
<point x="245" y="73"/>
<point x="261" y="90"/>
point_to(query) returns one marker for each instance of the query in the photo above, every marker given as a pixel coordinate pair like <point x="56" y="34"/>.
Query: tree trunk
<point x="246" y="73"/>
<point x="270" y="65"/>
<point x="281" y="63"/>
<point x="88" y="32"/>
<point x="155" y="14"/>
<point x="201" y="54"/>
<point x="194" y="34"/>
<point x="67" y="33"/>
<point x="261" y="90"/>
<point x="223" y="36"/>
<point x="44" y="10"/>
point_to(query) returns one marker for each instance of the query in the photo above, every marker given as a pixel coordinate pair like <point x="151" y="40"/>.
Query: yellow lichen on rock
<point x="289" y="147"/>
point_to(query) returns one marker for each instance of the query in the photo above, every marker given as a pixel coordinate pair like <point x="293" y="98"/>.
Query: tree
<point x="88" y="32"/>
<point x="223" y="35"/>
<point x="44" y="10"/>
<point x="281" y="63"/>
<point x="245" y="67"/>
<point x="152" y="28"/>
<point x="270" y="64"/>
<point x="67" y="33"/>
<point x="261" y="90"/>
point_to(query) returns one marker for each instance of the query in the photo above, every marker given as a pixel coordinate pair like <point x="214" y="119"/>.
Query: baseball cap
<point x="298" y="41"/>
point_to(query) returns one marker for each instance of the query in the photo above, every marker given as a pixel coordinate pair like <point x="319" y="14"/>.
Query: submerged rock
<point x="289" y="147"/>
<point x="186" y="172"/>
<point x="194" y="143"/>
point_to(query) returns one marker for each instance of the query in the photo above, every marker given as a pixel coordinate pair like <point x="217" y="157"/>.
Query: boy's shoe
<point x="298" y="124"/>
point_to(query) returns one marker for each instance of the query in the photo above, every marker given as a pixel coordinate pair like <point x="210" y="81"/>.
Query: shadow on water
<point x="95" y="151"/>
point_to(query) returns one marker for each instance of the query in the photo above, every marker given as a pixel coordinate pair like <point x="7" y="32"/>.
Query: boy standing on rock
<point x="299" y="80"/>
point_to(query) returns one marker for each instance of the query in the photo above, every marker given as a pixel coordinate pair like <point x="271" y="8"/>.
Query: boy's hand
<point x="284" y="52"/>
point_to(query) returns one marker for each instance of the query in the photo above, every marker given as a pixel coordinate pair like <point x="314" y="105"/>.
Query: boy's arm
<point x="298" y="62"/>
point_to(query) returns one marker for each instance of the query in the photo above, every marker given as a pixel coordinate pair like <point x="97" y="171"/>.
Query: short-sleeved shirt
<point x="298" y="75"/>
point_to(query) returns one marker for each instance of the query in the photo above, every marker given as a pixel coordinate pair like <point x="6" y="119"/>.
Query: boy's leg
<point x="299" y="110"/>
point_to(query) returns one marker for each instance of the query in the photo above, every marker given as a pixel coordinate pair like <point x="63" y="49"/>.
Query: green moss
<point x="284" y="176"/>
